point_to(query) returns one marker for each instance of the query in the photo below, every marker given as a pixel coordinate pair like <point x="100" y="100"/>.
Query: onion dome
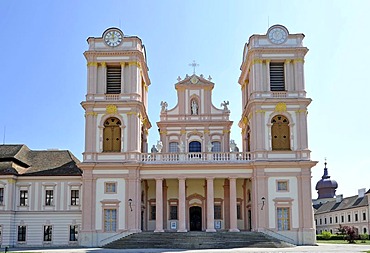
<point x="326" y="187"/>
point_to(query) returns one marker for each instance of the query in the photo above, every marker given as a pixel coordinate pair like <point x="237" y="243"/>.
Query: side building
<point x="40" y="197"/>
<point x="332" y="210"/>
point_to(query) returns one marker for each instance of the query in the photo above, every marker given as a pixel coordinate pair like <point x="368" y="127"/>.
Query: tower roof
<point x="326" y="187"/>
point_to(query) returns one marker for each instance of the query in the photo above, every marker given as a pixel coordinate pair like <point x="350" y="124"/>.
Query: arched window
<point x="173" y="147"/>
<point x="195" y="146"/>
<point x="216" y="146"/>
<point x="280" y="133"/>
<point x="112" y="135"/>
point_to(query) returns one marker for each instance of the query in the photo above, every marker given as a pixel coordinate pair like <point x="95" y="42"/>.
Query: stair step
<point x="197" y="240"/>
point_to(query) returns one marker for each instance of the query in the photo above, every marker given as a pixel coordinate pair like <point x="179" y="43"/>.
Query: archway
<point x="195" y="217"/>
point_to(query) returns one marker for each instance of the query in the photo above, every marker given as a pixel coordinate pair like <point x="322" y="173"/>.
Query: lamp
<point x="263" y="202"/>
<point x="130" y="204"/>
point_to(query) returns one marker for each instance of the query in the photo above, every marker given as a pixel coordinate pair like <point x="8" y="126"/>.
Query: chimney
<point x="338" y="198"/>
<point x="361" y="192"/>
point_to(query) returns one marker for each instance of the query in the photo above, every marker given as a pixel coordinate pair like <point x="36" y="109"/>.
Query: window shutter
<point x="114" y="80"/>
<point x="277" y="81"/>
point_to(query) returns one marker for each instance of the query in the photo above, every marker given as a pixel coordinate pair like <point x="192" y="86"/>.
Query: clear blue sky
<point x="43" y="71"/>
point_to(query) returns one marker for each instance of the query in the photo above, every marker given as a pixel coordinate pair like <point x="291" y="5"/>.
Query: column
<point x="182" y="206"/>
<point x="210" y="206"/>
<point x="233" y="218"/>
<point x="159" y="206"/>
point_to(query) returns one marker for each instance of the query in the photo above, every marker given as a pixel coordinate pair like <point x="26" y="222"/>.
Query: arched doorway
<point x="195" y="217"/>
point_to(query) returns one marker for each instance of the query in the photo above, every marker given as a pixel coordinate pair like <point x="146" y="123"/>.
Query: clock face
<point x="277" y="35"/>
<point x="113" y="38"/>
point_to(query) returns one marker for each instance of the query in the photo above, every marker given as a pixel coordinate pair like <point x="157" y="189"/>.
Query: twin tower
<point x="196" y="179"/>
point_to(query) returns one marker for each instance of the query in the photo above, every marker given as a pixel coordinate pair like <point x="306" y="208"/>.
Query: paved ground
<point x="322" y="248"/>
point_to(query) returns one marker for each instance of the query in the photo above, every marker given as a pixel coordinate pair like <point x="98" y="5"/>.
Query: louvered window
<point x="277" y="81"/>
<point x="114" y="80"/>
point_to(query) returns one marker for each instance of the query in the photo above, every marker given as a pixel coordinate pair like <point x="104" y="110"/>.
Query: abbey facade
<point x="195" y="178"/>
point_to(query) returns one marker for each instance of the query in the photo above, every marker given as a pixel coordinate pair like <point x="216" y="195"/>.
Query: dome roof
<point x="326" y="187"/>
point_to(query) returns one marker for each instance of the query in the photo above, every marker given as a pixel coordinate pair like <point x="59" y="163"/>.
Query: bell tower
<point x="274" y="119"/>
<point x="116" y="129"/>
<point x="116" y="99"/>
<point x="274" y="131"/>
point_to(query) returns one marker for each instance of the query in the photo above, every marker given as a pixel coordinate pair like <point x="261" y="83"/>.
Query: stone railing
<point x="235" y="157"/>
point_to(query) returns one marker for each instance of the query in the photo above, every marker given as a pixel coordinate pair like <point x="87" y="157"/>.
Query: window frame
<point x="282" y="181"/>
<point x="49" y="197"/>
<point x="108" y="190"/>
<point x="2" y="191"/>
<point x="23" y="198"/>
<point x="73" y="233"/>
<point x="281" y="220"/>
<point x="21" y="233"/>
<point x="48" y="233"/>
<point x="75" y="198"/>
<point x="111" y="224"/>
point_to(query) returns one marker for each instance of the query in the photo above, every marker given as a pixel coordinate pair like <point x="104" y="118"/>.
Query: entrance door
<point x="195" y="215"/>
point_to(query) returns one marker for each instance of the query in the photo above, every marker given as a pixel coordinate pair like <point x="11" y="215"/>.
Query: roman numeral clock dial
<point x="113" y="38"/>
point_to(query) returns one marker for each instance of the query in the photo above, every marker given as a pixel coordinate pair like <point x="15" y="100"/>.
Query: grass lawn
<point x="344" y="242"/>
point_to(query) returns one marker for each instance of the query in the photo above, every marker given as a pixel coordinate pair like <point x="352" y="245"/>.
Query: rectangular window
<point x="277" y="80"/>
<point x="23" y="198"/>
<point x="1" y="196"/>
<point x="110" y="187"/>
<point x="316" y="221"/>
<point x="73" y="233"/>
<point x="336" y="219"/>
<point x="238" y="212"/>
<point x="48" y="233"/>
<point x="349" y="218"/>
<point x="356" y="217"/>
<point x="113" y="79"/>
<point x="173" y="212"/>
<point x="320" y="221"/>
<point x="110" y="220"/>
<point x="342" y="218"/>
<point x="49" y="195"/>
<point x="325" y="221"/>
<point x="152" y="212"/>
<point x="364" y="216"/>
<point x="282" y="185"/>
<point x="283" y="217"/>
<point x="75" y="197"/>
<point x="331" y="220"/>
<point x="21" y="233"/>
<point x="217" y="212"/>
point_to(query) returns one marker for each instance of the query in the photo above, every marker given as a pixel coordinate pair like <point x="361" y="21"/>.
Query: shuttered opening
<point x="277" y="81"/>
<point x="114" y="80"/>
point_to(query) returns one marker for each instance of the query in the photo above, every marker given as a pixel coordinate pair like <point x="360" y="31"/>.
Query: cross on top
<point x="194" y="65"/>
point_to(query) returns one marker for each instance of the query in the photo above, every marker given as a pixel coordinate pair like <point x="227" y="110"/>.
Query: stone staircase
<point x="197" y="240"/>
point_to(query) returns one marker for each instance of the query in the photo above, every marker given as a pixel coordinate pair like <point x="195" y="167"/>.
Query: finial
<point x="325" y="163"/>
<point x="178" y="78"/>
<point x="201" y="75"/>
<point x="194" y="65"/>
<point x="209" y="78"/>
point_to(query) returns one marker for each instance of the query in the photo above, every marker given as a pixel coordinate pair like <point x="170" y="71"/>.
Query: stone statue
<point x="194" y="108"/>
<point x="164" y="106"/>
<point x="159" y="146"/>
<point x="209" y="146"/>
<point x="233" y="147"/>
<point x="225" y="104"/>
<point x="153" y="149"/>
<point x="181" y="147"/>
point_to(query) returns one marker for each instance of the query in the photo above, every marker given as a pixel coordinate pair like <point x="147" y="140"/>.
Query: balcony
<point x="199" y="157"/>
